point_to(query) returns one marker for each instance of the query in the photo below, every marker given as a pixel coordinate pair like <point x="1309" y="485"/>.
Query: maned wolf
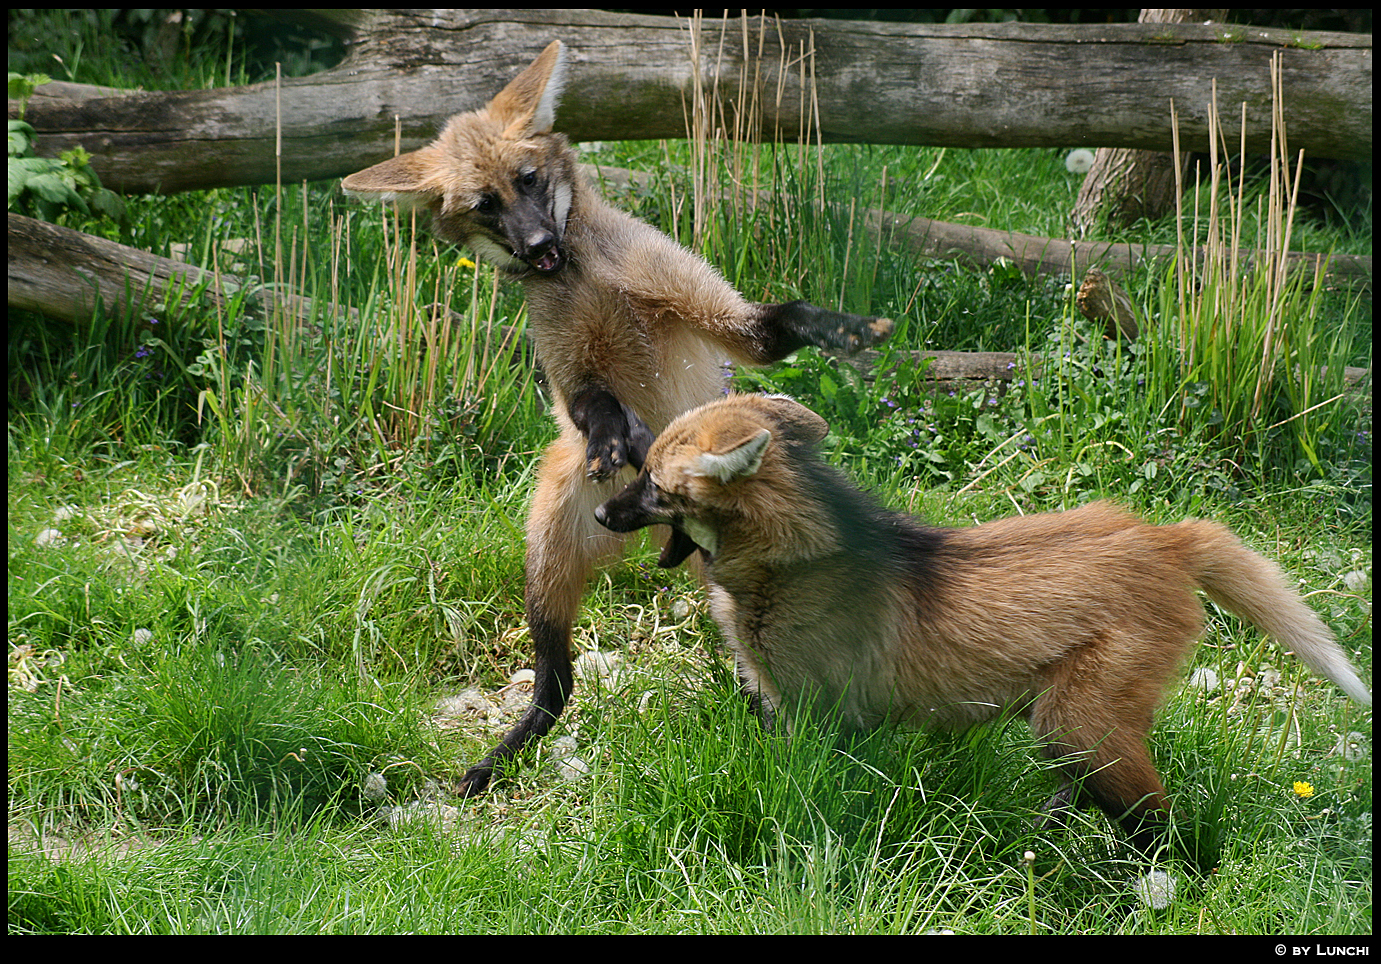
<point x="1077" y="620"/>
<point x="631" y="330"/>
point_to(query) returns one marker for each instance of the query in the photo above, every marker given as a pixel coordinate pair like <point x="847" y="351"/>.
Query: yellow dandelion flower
<point x="466" y="263"/>
<point x="1303" y="790"/>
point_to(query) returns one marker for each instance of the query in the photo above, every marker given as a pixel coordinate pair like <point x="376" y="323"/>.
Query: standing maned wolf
<point x="1077" y="619"/>
<point x="631" y="330"/>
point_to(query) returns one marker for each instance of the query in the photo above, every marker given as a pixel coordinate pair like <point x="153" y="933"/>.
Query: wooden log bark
<point x="980" y="247"/>
<point x="1036" y="255"/>
<point x="67" y="274"/>
<point x="962" y="370"/>
<point x="1100" y="300"/>
<point x="966" y="85"/>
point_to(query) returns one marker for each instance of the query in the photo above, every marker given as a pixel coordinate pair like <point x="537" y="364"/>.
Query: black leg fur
<point x="551" y="690"/>
<point x="795" y="324"/>
<point x="1144" y="823"/>
<point x="614" y="434"/>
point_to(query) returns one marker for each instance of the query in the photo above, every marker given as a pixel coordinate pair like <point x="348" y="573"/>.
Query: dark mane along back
<point x="879" y="537"/>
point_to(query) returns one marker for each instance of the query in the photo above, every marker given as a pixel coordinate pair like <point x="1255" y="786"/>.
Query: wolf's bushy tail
<point x="1254" y="588"/>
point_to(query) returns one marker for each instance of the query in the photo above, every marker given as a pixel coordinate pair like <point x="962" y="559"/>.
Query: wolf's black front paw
<point x="604" y="456"/>
<point x="807" y="324"/>
<point x="614" y="434"/>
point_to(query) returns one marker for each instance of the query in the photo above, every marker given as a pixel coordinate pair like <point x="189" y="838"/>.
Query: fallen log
<point x="1036" y="255"/>
<point x="69" y="275"/>
<point x="964" y="370"/>
<point x="980" y="247"/>
<point x="962" y="85"/>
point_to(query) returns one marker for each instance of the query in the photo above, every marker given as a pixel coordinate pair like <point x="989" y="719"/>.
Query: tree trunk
<point x="969" y="85"/>
<point x="1123" y="186"/>
<point x="1126" y="184"/>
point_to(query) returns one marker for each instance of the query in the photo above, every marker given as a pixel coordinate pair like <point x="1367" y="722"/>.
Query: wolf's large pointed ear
<point x="797" y="422"/>
<point x="527" y="106"/>
<point x="739" y="462"/>
<point x="404" y="180"/>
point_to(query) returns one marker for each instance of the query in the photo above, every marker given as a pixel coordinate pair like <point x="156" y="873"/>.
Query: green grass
<point x="248" y="555"/>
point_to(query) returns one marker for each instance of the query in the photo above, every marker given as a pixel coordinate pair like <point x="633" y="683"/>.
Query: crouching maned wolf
<point x="1077" y="620"/>
<point x="631" y="330"/>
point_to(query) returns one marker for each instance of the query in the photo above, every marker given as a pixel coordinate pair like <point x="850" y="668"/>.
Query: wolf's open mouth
<point x="548" y="261"/>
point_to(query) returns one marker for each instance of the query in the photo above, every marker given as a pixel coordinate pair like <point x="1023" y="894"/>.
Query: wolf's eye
<point x="486" y="204"/>
<point x="528" y="179"/>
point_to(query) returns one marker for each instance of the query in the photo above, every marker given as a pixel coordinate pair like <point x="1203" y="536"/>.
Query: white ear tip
<point x="545" y="115"/>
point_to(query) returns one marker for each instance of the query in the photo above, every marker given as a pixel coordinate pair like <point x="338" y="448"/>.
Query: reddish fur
<point x="624" y="318"/>
<point x="1079" y="620"/>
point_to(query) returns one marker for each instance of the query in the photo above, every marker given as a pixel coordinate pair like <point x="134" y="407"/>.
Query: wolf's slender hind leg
<point x="564" y="543"/>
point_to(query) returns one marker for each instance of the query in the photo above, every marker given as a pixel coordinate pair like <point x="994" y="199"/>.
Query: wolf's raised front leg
<point x="667" y="285"/>
<point x="564" y="543"/>
<point x="759" y="334"/>
<point x="795" y="324"/>
<point x="614" y="434"/>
